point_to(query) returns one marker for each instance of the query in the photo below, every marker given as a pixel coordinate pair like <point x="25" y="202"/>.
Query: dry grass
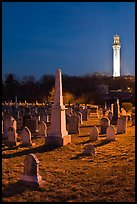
<point x="108" y="176"/>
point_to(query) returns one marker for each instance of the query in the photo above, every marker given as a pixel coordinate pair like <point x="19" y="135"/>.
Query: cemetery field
<point x="107" y="176"/>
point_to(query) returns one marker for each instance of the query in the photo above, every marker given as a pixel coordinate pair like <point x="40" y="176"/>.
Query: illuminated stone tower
<point x="116" y="56"/>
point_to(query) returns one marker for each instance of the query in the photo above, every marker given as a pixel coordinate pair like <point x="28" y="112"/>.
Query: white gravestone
<point x="122" y="125"/>
<point x="42" y="128"/>
<point x="110" y="133"/>
<point x="104" y="123"/>
<point x="26" y="137"/>
<point x="94" y="132"/>
<point x="89" y="150"/>
<point x="31" y="174"/>
<point x="12" y="137"/>
<point x="58" y="135"/>
<point x="8" y="122"/>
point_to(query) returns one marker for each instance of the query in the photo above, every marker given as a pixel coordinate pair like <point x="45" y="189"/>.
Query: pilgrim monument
<point x="116" y="56"/>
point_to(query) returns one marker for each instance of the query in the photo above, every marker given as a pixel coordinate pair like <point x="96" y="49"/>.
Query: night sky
<point x="39" y="37"/>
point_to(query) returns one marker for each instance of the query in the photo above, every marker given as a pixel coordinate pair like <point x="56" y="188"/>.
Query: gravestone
<point x="12" y="137"/>
<point x="104" y="123"/>
<point x="58" y="135"/>
<point x="110" y="115"/>
<point x="32" y="124"/>
<point x="26" y="137"/>
<point x="122" y="125"/>
<point x="69" y="111"/>
<point x="89" y="150"/>
<point x="31" y="174"/>
<point x="73" y="124"/>
<point x="42" y="128"/>
<point x="115" y="113"/>
<point x="93" y="133"/>
<point x="84" y="114"/>
<point x="110" y="133"/>
<point x="80" y="116"/>
<point x="9" y="121"/>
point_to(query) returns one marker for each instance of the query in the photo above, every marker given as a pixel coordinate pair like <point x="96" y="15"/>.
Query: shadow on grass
<point x="77" y="156"/>
<point x="39" y="149"/>
<point x="101" y="143"/>
<point x="87" y="141"/>
<point x="18" y="188"/>
<point x="11" y="148"/>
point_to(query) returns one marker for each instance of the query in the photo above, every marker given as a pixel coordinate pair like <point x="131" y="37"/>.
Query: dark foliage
<point x="80" y="86"/>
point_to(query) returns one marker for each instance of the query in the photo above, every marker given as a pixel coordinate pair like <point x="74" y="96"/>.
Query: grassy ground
<point x="108" y="176"/>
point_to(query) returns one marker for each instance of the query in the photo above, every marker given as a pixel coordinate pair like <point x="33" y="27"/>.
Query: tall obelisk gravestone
<point x="58" y="135"/>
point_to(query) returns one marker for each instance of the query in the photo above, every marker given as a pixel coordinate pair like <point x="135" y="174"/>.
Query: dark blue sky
<point x="38" y="37"/>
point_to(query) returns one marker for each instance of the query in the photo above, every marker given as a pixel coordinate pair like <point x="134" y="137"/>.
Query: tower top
<point x="116" y="40"/>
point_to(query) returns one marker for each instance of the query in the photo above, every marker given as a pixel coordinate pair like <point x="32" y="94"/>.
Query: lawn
<point x="107" y="176"/>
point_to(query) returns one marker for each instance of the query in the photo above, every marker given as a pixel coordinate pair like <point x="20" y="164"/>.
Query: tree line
<point x="83" y="89"/>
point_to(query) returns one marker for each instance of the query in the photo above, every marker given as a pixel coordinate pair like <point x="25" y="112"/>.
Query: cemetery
<point x="58" y="153"/>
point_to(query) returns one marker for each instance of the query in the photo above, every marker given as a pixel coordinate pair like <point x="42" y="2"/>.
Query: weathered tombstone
<point x="73" y="124"/>
<point x="32" y="124"/>
<point x="110" y="133"/>
<point x="19" y="124"/>
<point x="26" y="137"/>
<point x="80" y="116"/>
<point x="104" y="123"/>
<point x="42" y="128"/>
<point x="115" y="113"/>
<point x="8" y="122"/>
<point x="58" y="135"/>
<point x="31" y="174"/>
<point x="84" y="114"/>
<point x="110" y="115"/>
<point x="12" y="137"/>
<point x="93" y="133"/>
<point x="69" y="111"/>
<point x="122" y="125"/>
<point x="89" y="150"/>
